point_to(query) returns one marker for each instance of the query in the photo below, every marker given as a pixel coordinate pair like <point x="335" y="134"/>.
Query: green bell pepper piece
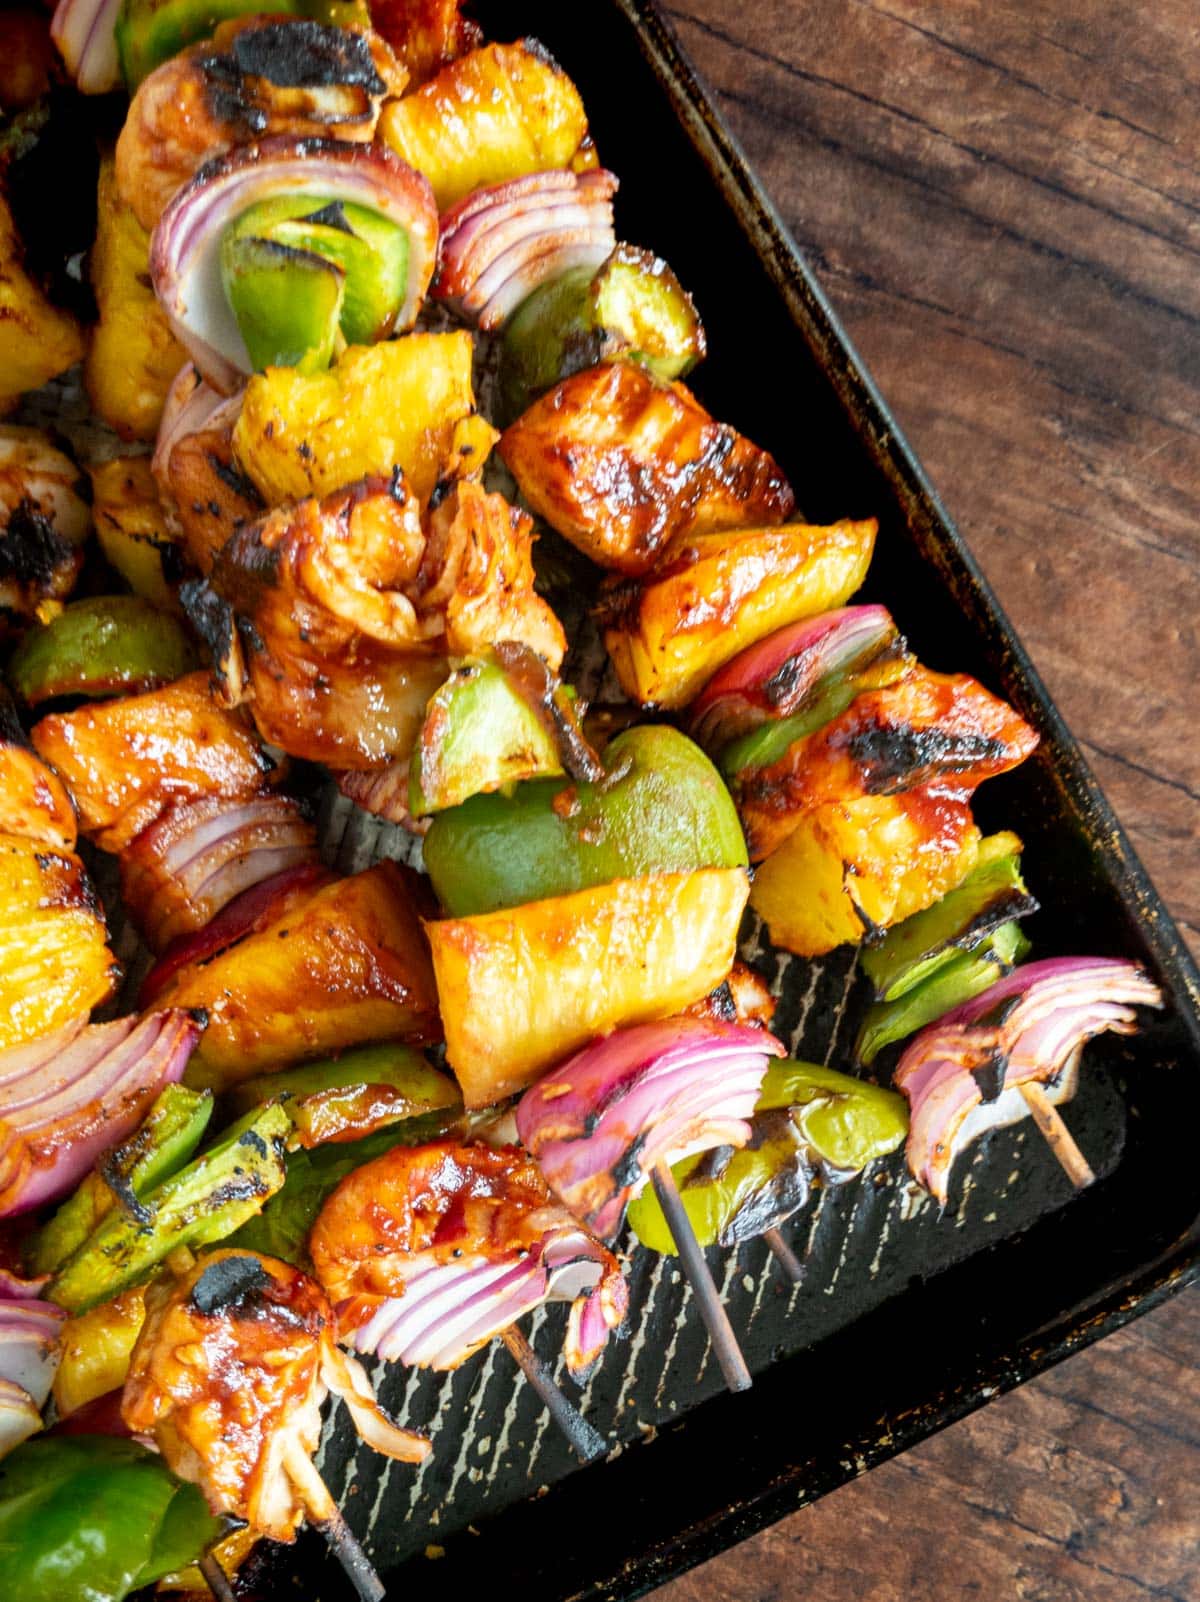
<point x="91" y="1518"/>
<point x="632" y="309"/>
<point x="288" y="303"/>
<point x="281" y="1229"/>
<point x="323" y="1099"/>
<point x="149" y="32"/>
<point x="200" y="1204"/>
<point x="106" y="645"/>
<point x="993" y="893"/>
<point x="172" y="1130"/>
<point x="964" y="975"/>
<point x="480" y="734"/>
<point x="661" y="808"/>
<point x="372" y="253"/>
<point x="808" y="1120"/>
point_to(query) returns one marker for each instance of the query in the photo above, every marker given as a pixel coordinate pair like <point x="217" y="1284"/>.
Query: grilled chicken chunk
<point x="34" y="802"/>
<point x="351" y="610"/>
<point x="228" y="1376"/>
<point x="927" y="730"/>
<point x="620" y="464"/>
<point x="202" y="489"/>
<point x="44" y="521"/>
<point x="126" y="761"/>
<point x="255" y="77"/>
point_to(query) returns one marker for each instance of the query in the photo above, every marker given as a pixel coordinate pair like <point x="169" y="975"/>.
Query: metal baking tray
<point x="907" y="1320"/>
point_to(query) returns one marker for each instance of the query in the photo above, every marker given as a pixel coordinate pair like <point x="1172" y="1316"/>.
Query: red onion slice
<point x="84" y="31"/>
<point x="59" y="1113"/>
<point x="962" y="1075"/>
<point x="775" y="677"/>
<point x="499" y="244"/>
<point x="19" y="1418"/>
<point x="654" y="1093"/>
<point x="185" y="248"/>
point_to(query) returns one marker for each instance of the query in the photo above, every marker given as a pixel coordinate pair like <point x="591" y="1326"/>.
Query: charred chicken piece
<point x="928" y="729"/>
<point x="744" y="998"/>
<point x="425" y="34"/>
<point x="620" y="464"/>
<point x="430" y="1251"/>
<point x="255" y="77"/>
<point x="44" y="521"/>
<point x="202" y="489"/>
<point x="125" y="762"/>
<point x="350" y="610"/>
<point x="228" y="1376"/>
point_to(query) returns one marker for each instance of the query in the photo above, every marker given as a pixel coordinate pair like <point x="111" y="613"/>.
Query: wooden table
<point x="1002" y="199"/>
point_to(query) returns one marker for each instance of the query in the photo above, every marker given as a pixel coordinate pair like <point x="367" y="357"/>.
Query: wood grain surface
<point x="1003" y="202"/>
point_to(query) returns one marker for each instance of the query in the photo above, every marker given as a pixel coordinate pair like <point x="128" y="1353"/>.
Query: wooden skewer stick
<point x="784" y="1255"/>
<point x="216" y="1579"/>
<point x="712" y="1311"/>
<point x="325" y="1514"/>
<point x="586" y="1441"/>
<point x="1058" y="1137"/>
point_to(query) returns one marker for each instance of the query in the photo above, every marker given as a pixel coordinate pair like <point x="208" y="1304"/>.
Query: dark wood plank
<point x="1003" y="202"/>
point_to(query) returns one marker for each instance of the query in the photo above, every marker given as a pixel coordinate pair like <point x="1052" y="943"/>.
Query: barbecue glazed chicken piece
<point x="34" y="803"/>
<point x="125" y="762"/>
<point x="255" y="77"/>
<point x="44" y="521"/>
<point x="352" y="610"/>
<point x="938" y="730"/>
<point x="620" y="464"/>
<point x="430" y="1251"/>
<point x="228" y="1376"/>
<point x="425" y="34"/>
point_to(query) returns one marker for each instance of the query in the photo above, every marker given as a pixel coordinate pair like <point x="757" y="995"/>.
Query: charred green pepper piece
<point x="661" y="807"/>
<point x="288" y="303"/>
<point x="809" y="1121"/>
<point x="342" y="1098"/>
<point x="172" y="1130"/>
<point x="372" y="253"/>
<point x="200" y="1204"/>
<point x="281" y="1229"/>
<point x="482" y="733"/>
<point x="964" y="975"/>
<point x="106" y="645"/>
<point x="91" y="1518"/>
<point x="632" y="309"/>
<point x="149" y="32"/>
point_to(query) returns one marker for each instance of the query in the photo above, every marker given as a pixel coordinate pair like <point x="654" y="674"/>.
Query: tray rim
<point x="755" y="1506"/>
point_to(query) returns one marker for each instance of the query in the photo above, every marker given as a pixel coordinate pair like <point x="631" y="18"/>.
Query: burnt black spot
<point x="199" y="1016"/>
<point x="227" y="1284"/>
<point x="32" y="551"/>
<point x="211" y="616"/>
<point x="989" y="1075"/>
<point x="331" y="216"/>
<point x="250" y="634"/>
<point x="721" y="1003"/>
<point x="233" y="480"/>
<point x="255" y="1142"/>
<point x="899" y="757"/>
<point x="307" y="55"/>
<point x="627" y="1169"/>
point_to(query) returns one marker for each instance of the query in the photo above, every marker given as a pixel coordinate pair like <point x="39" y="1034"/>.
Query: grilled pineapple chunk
<point x="716" y="594"/>
<point x="495" y="114"/>
<point x="519" y="989"/>
<point x="37" y="340"/>
<point x="346" y="966"/>
<point x="132" y="354"/>
<point x="96" y="1348"/>
<point x="55" y="964"/>
<point x="132" y="529"/>
<point x="407" y="403"/>
<point x="853" y="867"/>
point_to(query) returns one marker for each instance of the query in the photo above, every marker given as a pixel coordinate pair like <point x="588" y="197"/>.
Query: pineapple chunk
<point x="132" y="529"/>
<point x="346" y="966"/>
<point x="96" y="1348"/>
<point x="496" y="114"/>
<point x="406" y="403"/>
<point x="719" y="593"/>
<point x="55" y="964"/>
<point x="850" y="868"/>
<point x="37" y="341"/>
<point x="519" y="989"/>
<point x="132" y="355"/>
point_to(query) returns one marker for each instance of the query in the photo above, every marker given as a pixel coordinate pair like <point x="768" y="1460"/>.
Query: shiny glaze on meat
<point x="255" y="77"/>
<point x="33" y="799"/>
<point x="425" y="34"/>
<point x="621" y="464"/>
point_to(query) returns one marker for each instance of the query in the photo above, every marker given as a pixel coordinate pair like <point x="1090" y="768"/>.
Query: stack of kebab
<point x="369" y="604"/>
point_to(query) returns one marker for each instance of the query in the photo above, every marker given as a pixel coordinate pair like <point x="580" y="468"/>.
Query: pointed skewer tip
<point x="1058" y="1137"/>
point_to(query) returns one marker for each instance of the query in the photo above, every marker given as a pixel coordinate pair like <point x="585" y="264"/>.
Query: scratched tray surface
<point x="906" y="1318"/>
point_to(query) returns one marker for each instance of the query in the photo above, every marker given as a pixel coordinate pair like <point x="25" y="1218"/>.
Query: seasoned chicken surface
<point x="937" y="730"/>
<point x="255" y="77"/>
<point x="620" y="464"/>
<point x="425" y="34"/>
<point x="202" y="489"/>
<point x="352" y="608"/>
<point x="744" y="998"/>
<point x="126" y="761"/>
<point x="33" y="800"/>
